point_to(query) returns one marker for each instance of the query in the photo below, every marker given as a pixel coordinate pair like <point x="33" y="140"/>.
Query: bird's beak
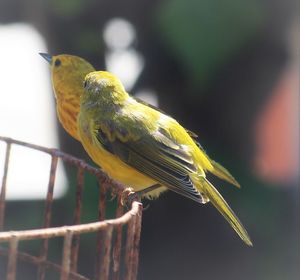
<point x="48" y="57"/>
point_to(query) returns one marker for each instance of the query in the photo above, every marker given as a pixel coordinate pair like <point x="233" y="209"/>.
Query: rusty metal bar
<point x="105" y="228"/>
<point x="76" y="229"/>
<point x="3" y="188"/>
<point x="116" y="258"/>
<point x="35" y="260"/>
<point x="100" y="235"/>
<point x="12" y="259"/>
<point x="28" y="145"/>
<point x="47" y="219"/>
<point x="66" y="260"/>
<point x="102" y="200"/>
<point x="69" y="159"/>
<point x="129" y="248"/>
<point x="105" y="261"/>
<point x="136" y="243"/>
<point x="78" y="206"/>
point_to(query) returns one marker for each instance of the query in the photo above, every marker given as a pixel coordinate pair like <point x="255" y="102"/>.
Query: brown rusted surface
<point x="78" y="206"/>
<point x="116" y="255"/>
<point x="47" y="219"/>
<point x="129" y="248"/>
<point x="136" y="243"/>
<point x="109" y="242"/>
<point x="102" y="200"/>
<point x="100" y="235"/>
<point x="66" y="259"/>
<point x="12" y="259"/>
<point x="3" y="188"/>
<point x="132" y="244"/>
<point x="47" y="264"/>
<point x="105" y="256"/>
<point x="76" y="229"/>
<point x="116" y="186"/>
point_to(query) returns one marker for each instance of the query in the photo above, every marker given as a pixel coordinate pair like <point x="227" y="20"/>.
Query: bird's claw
<point x="129" y="196"/>
<point x="126" y="197"/>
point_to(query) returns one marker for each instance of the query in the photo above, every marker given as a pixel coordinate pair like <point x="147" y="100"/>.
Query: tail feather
<point x="218" y="201"/>
<point x="218" y="170"/>
<point x="223" y="173"/>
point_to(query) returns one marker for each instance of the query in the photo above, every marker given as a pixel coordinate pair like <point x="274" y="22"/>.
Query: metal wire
<point x="47" y="219"/>
<point x="109" y="241"/>
<point x="3" y="188"/>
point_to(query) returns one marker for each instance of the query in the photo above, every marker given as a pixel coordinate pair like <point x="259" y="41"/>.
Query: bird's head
<point x="68" y="72"/>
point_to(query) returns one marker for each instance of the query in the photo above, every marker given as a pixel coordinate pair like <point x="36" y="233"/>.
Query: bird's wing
<point x="154" y="155"/>
<point x="218" y="169"/>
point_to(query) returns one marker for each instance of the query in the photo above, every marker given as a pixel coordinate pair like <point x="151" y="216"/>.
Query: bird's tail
<point x="223" y="173"/>
<point x="218" y="201"/>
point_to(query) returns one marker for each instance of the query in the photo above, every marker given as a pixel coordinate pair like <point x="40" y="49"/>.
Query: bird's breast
<point x="110" y="163"/>
<point x="67" y="114"/>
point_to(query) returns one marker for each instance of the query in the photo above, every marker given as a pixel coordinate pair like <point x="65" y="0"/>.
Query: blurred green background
<point x="226" y="70"/>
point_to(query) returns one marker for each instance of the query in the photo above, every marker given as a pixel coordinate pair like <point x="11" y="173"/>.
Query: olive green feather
<point x="148" y="146"/>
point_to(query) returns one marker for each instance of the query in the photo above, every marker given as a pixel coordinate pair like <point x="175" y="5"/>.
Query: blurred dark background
<point x="227" y="70"/>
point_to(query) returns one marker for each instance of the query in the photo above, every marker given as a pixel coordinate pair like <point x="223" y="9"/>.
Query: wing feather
<point x="218" y="169"/>
<point x="156" y="157"/>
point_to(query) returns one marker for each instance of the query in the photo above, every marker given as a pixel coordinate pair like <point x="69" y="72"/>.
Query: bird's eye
<point x="85" y="84"/>
<point x="57" y="62"/>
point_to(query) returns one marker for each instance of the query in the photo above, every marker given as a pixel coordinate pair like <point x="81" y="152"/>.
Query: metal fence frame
<point x="108" y="247"/>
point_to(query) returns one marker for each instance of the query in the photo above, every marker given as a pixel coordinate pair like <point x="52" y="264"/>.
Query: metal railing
<point x="109" y="258"/>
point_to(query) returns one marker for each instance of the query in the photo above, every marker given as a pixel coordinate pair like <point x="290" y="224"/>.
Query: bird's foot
<point x="127" y="197"/>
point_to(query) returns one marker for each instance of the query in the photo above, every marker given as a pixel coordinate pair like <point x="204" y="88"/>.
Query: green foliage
<point x="68" y="7"/>
<point x="205" y="34"/>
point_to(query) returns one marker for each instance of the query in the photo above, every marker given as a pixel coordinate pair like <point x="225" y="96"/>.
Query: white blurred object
<point x="121" y="58"/>
<point x="127" y="65"/>
<point x="119" y="34"/>
<point x="27" y="112"/>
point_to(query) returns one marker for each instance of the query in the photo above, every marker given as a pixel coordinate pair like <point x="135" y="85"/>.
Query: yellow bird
<point x="67" y="74"/>
<point x="144" y="148"/>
